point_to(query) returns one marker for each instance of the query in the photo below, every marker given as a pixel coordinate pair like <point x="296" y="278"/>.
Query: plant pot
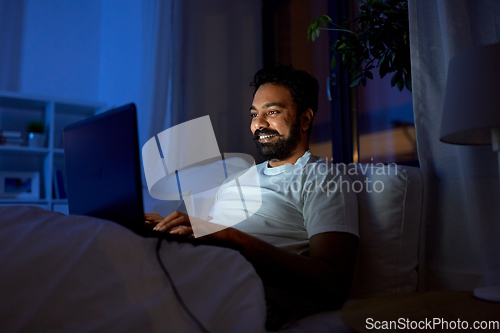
<point x="36" y="140"/>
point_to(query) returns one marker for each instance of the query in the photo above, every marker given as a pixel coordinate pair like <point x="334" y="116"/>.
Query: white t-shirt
<point x="298" y="201"/>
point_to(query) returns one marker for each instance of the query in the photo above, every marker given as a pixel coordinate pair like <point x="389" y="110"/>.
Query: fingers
<point x="182" y="230"/>
<point x="169" y="223"/>
<point x="150" y="218"/>
<point x="175" y="223"/>
<point x="173" y="220"/>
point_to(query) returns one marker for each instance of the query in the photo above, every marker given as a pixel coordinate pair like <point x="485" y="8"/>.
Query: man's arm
<point x="325" y="277"/>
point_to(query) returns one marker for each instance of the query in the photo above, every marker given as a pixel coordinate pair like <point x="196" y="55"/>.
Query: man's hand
<point x="175" y="223"/>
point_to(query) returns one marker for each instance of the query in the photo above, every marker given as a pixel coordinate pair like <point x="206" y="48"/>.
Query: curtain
<point x="11" y="29"/>
<point x="461" y="184"/>
<point x="161" y="86"/>
<point x="198" y="59"/>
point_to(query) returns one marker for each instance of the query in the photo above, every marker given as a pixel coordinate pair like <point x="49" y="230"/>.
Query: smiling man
<point x="303" y="239"/>
<point x="276" y="126"/>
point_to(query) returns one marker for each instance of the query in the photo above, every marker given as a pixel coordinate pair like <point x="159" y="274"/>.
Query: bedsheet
<point x="81" y="274"/>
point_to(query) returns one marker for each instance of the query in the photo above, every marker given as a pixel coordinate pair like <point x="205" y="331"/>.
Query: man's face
<point x="275" y="125"/>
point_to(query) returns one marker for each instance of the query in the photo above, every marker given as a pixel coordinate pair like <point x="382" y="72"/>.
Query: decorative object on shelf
<point x="36" y="136"/>
<point x="20" y="185"/>
<point x="380" y="39"/>
<point x="471" y="116"/>
<point x="11" y="138"/>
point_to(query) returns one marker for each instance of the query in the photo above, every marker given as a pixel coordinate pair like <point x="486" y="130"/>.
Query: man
<point x="303" y="240"/>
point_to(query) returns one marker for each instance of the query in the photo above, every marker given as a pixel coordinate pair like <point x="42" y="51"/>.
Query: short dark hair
<point x="303" y="86"/>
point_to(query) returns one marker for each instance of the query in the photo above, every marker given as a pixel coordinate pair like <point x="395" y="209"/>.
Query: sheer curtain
<point x="198" y="58"/>
<point x="462" y="195"/>
<point x="160" y="87"/>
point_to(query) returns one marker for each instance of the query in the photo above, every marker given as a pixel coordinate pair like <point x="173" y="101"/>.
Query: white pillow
<point x="389" y="208"/>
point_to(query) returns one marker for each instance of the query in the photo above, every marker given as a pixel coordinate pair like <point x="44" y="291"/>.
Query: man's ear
<point x="307" y="118"/>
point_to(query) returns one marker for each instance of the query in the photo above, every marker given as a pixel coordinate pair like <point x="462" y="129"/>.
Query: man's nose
<point x="259" y="123"/>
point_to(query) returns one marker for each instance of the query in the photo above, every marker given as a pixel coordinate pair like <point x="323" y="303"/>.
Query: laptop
<point x="103" y="168"/>
<point x="103" y="172"/>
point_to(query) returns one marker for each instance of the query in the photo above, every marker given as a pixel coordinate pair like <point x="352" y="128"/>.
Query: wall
<point x="11" y="28"/>
<point x="85" y="50"/>
<point x="60" y="48"/>
<point x="120" y="55"/>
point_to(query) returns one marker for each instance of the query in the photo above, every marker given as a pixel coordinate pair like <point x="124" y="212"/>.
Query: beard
<point x="281" y="148"/>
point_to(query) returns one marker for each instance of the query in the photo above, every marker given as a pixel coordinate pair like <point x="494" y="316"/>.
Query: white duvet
<point x="78" y="274"/>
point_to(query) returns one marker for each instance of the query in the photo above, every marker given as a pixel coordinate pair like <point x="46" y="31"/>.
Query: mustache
<point x="258" y="133"/>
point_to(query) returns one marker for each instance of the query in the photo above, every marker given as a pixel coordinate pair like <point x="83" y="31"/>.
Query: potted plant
<point x="378" y="38"/>
<point x="36" y="136"/>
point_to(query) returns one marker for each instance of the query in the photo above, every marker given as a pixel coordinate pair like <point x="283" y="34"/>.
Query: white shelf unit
<point x="16" y="111"/>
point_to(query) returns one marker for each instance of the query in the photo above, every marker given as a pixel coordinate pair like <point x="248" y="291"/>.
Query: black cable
<point x="176" y="292"/>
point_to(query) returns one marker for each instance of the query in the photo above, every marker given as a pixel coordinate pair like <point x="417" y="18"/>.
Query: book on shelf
<point x="11" y="134"/>
<point x="16" y="142"/>
<point x="11" y="138"/>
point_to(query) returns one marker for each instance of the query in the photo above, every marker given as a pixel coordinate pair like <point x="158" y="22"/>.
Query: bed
<point x="81" y="274"/>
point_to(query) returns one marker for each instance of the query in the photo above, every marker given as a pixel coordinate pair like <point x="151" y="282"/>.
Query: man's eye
<point x="273" y="112"/>
<point x="253" y="115"/>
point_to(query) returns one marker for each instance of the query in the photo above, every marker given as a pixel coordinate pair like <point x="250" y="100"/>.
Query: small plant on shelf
<point x="35" y="127"/>
<point x="36" y="138"/>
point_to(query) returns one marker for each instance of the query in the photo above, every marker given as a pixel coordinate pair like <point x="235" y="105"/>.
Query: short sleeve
<point x="330" y="204"/>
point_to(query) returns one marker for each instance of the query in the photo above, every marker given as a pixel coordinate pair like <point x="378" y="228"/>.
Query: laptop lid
<point x="103" y="168"/>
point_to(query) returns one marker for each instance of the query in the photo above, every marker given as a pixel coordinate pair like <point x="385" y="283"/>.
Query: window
<point x="372" y="124"/>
